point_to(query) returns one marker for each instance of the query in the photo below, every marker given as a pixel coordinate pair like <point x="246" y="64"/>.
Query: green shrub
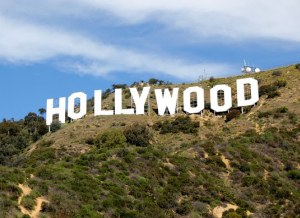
<point x="293" y="118"/>
<point x="266" y="89"/>
<point x="294" y="174"/>
<point x="297" y="66"/>
<point x="212" y="79"/>
<point x="110" y="138"/>
<point x="90" y="141"/>
<point x="180" y="124"/>
<point x="282" y="110"/>
<point x="277" y="73"/>
<point x="46" y="143"/>
<point x="280" y="83"/>
<point x="234" y="113"/>
<point x="231" y="214"/>
<point x="28" y="202"/>
<point x="55" y="126"/>
<point x="271" y="90"/>
<point x="273" y="94"/>
<point x="184" y="208"/>
<point x="263" y="114"/>
<point x="138" y="134"/>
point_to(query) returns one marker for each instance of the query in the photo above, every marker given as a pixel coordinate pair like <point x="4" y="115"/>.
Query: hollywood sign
<point x="165" y="101"/>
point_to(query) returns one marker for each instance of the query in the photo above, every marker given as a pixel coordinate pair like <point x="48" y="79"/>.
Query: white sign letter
<point x="240" y="85"/>
<point x="98" y="105"/>
<point x="118" y="104"/>
<point x="140" y="101"/>
<point x="166" y="101"/>
<point x="61" y="111"/>
<point x="82" y="105"/>
<point x="187" y="100"/>
<point x="214" y="98"/>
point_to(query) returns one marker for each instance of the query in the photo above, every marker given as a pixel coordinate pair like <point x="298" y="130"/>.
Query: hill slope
<point x="182" y="166"/>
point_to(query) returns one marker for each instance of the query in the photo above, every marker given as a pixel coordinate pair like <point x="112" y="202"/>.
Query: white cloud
<point x="29" y="33"/>
<point x="235" y="19"/>
<point x="276" y="19"/>
<point x="26" y="42"/>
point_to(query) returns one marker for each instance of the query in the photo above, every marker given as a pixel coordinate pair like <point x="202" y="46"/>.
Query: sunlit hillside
<point x="203" y="165"/>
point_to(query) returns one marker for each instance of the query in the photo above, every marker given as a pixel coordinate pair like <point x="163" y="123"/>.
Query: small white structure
<point x="249" y="69"/>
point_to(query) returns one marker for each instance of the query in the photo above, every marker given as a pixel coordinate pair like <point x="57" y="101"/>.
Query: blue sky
<point x="52" y="48"/>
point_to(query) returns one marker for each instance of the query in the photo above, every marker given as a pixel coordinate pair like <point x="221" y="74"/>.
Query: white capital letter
<point x="82" y="104"/>
<point x="140" y="101"/>
<point x="214" y="98"/>
<point x="166" y="101"/>
<point x="98" y="105"/>
<point x="61" y="111"/>
<point x="118" y="104"/>
<point x="187" y="100"/>
<point x="240" y="85"/>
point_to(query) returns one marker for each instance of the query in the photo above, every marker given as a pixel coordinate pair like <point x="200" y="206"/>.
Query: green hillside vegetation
<point x="152" y="166"/>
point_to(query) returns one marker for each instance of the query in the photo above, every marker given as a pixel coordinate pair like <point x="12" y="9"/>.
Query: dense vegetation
<point x="16" y="136"/>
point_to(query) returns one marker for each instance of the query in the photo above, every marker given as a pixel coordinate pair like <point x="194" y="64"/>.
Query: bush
<point x="138" y="134"/>
<point x="266" y="89"/>
<point x="282" y="110"/>
<point x="184" y="208"/>
<point x="273" y="94"/>
<point x="231" y="214"/>
<point x="106" y="93"/>
<point x="264" y="114"/>
<point x="90" y="141"/>
<point x="297" y="66"/>
<point x="277" y="73"/>
<point x="293" y="118"/>
<point x="111" y="138"/>
<point x="234" y="113"/>
<point x="119" y="86"/>
<point x="55" y="126"/>
<point x="212" y="79"/>
<point x="294" y="174"/>
<point x="271" y="89"/>
<point x="28" y="202"/>
<point x="180" y="124"/>
<point x="280" y="83"/>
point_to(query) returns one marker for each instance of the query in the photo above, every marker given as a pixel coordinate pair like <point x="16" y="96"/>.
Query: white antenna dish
<point x="248" y="69"/>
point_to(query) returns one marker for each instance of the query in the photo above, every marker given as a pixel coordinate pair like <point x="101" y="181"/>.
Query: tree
<point x="119" y="86"/>
<point x="153" y="81"/>
<point x="42" y="111"/>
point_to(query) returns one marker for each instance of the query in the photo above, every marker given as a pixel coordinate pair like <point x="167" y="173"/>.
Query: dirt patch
<point x="262" y="101"/>
<point x="266" y="175"/>
<point x="226" y="162"/>
<point x="39" y="201"/>
<point x="169" y="165"/>
<point x="219" y="210"/>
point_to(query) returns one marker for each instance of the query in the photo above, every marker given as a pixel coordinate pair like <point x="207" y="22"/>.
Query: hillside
<point x="170" y="166"/>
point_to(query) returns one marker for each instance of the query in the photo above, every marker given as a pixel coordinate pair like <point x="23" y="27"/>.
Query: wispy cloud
<point x="23" y="42"/>
<point x="31" y="34"/>
<point x="277" y="19"/>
